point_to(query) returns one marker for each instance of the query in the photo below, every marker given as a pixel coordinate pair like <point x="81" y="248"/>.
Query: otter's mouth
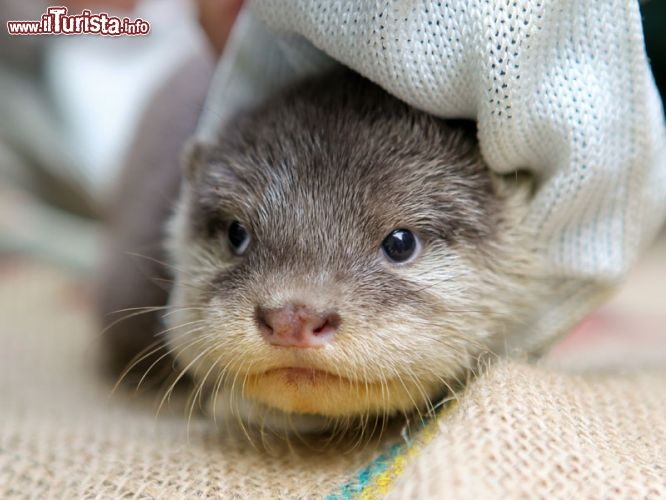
<point x="305" y="390"/>
<point x="296" y="375"/>
<point x="297" y="389"/>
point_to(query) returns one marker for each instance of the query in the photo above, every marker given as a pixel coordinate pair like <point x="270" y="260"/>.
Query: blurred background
<point x="70" y="108"/>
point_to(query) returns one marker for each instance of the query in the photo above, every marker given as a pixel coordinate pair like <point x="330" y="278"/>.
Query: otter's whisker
<point x="166" y="396"/>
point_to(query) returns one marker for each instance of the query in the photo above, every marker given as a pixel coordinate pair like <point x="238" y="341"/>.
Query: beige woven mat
<point x="527" y="433"/>
<point x="518" y="432"/>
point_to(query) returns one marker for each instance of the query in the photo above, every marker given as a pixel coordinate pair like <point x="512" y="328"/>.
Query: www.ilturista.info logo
<point x="56" y="21"/>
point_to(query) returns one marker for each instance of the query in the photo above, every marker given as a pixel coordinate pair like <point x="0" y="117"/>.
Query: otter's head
<point x="338" y="254"/>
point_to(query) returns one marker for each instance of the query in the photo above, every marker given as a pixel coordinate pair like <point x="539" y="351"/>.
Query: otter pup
<point x="338" y="255"/>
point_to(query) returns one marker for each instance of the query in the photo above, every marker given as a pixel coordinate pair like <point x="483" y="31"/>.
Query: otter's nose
<point x="297" y="326"/>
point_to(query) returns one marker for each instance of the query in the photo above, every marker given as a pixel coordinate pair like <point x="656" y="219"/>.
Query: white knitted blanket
<point x="561" y="88"/>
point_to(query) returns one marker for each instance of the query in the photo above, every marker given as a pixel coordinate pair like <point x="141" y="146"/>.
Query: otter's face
<point x="337" y="254"/>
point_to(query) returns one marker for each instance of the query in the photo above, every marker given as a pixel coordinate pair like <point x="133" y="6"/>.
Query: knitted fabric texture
<point x="561" y="88"/>
<point x="517" y="432"/>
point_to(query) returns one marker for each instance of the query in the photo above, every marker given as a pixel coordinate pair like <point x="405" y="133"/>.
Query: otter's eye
<point x="239" y="239"/>
<point x="400" y="246"/>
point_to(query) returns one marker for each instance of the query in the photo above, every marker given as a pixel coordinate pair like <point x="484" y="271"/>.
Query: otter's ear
<point x="192" y="157"/>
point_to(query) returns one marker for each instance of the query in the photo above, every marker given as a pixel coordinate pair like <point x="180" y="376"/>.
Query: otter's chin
<point x="312" y="391"/>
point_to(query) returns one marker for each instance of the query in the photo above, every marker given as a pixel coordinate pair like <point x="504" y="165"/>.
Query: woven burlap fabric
<point x="518" y="431"/>
<point x="525" y="432"/>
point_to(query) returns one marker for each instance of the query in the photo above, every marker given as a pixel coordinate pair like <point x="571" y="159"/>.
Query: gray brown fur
<point x="322" y="174"/>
